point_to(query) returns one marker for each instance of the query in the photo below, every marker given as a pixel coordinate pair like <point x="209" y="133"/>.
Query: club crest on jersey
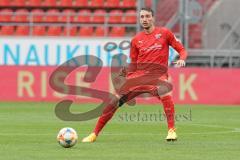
<point x="158" y="36"/>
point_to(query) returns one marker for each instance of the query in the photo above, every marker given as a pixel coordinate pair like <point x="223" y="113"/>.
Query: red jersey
<point x="153" y="48"/>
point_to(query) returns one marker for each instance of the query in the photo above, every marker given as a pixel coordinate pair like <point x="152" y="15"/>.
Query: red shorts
<point x="141" y="83"/>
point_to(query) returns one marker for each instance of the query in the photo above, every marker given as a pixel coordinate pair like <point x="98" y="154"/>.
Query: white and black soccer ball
<point x="67" y="137"/>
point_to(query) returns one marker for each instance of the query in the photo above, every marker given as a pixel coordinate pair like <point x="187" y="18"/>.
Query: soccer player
<point x="151" y="46"/>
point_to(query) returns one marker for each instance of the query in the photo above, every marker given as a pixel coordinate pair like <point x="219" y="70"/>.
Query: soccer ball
<point x="67" y="137"/>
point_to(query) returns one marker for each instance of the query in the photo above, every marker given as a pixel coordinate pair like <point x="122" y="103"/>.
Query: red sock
<point x="107" y="114"/>
<point x="109" y="111"/>
<point x="168" y="106"/>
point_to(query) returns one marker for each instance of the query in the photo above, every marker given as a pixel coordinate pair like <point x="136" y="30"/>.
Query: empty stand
<point x="112" y="3"/>
<point x="115" y="16"/>
<point x="54" y="31"/>
<point x="70" y="31"/>
<point x="97" y="3"/>
<point x="129" y="3"/>
<point x="65" y="3"/>
<point x="83" y="16"/>
<point x="67" y="15"/>
<point x="99" y="16"/>
<point x="39" y="30"/>
<point x="195" y="40"/>
<point x="18" y="2"/>
<point x="81" y="3"/>
<point x="148" y="3"/>
<point x="100" y="31"/>
<point x="5" y="3"/>
<point x="6" y="15"/>
<point x="34" y="3"/>
<point x="40" y="17"/>
<point x="86" y="31"/>
<point x="7" y="30"/>
<point x="22" y="31"/>
<point x="165" y="10"/>
<point x="37" y="15"/>
<point x="21" y="15"/>
<point x="52" y="15"/>
<point x="117" y="32"/>
<point x="130" y="16"/>
<point x="49" y="3"/>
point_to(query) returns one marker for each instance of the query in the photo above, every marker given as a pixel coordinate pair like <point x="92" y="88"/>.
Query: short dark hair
<point x="147" y="9"/>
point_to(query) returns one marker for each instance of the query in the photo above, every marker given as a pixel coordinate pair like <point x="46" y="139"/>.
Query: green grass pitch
<point x="28" y="131"/>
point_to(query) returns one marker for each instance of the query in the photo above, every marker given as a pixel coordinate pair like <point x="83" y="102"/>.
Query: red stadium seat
<point x="81" y="3"/>
<point x="86" y="31"/>
<point x="130" y="16"/>
<point x="52" y="15"/>
<point x="97" y="3"/>
<point x="148" y="3"/>
<point x="18" y="3"/>
<point x="49" y="3"/>
<point x="6" y="15"/>
<point x="54" y="31"/>
<point x="37" y="15"/>
<point x="112" y="3"/>
<point x="21" y="15"/>
<point x="22" y="31"/>
<point x="100" y="31"/>
<point x="83" y="16"/>
<point x="129" y="3"/>
<point x="66" y="3"/>
<point x="70" y="31"/>
<point x="39" y="31"/>
<point x="115" y="16"/>
<point x="34" y="3"/>
<point x="67" y="15"/>
<point x="117" y="32"/>
<point x="5" y="3"/>
<point x="99" y="16"/>
<point x="7" y="30"/>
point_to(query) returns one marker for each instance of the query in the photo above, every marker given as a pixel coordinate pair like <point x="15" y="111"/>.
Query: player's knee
<point x="164" y="89"/>
<point x="166" y="94"/>
<point x="114" y="100"/>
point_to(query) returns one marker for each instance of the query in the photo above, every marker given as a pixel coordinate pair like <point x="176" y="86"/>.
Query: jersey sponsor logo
<point x="158" y="36"/>
<point x="152" y="48"/>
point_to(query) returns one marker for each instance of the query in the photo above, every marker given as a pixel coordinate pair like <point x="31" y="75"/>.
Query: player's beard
<point x="146" y="28"/>
<point x="147" y="25"/>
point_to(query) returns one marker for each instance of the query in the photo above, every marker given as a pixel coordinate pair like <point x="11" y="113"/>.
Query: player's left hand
<point x="180" y="63"/>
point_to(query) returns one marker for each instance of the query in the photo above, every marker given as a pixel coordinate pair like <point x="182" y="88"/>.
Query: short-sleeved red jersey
<point x="153" y="48"/>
